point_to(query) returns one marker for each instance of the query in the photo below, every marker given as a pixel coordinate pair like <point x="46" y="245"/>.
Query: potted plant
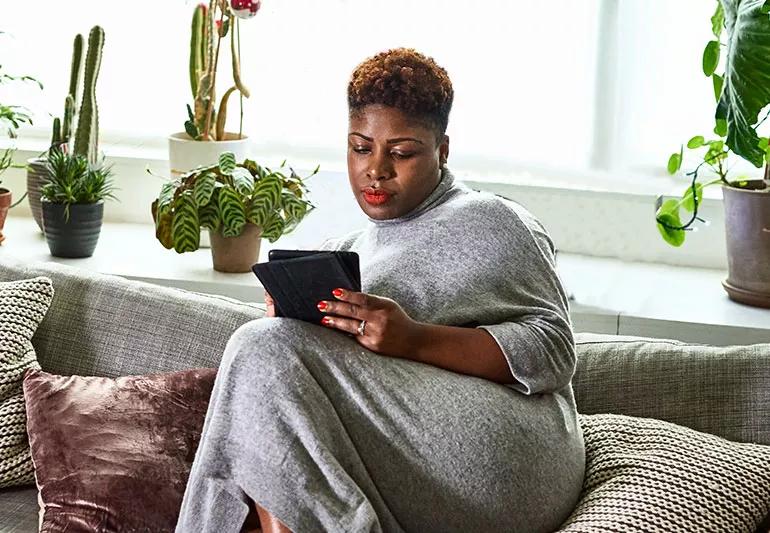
<point x="239" y="203"/>
<point x="37" y="167"/>
<point x="204" y="136"/>
<point x="11" y="119"/>
<point x="78" y="181"/>
<point x="73" y="203"/>
<point x="742" y="91"/>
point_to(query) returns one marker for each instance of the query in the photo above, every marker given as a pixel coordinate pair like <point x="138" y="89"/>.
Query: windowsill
<point x="607" y="295"/>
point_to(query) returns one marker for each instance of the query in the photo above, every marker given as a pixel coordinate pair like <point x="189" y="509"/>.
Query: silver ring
<point x="362" y="327"/>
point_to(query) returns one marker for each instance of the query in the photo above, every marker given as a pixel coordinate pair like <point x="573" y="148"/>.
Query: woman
<point x="451" y="408"/>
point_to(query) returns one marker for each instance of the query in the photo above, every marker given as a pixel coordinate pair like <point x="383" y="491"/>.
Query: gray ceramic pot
<point x="76" y="237"/>
<point x="747" y="229"/>
<point x="37" y="176"/>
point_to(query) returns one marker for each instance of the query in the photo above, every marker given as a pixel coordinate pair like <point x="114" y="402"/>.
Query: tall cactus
<point x="87" y="135"/>
<point x="64" y="129"/>
<point x="198" y="43"/>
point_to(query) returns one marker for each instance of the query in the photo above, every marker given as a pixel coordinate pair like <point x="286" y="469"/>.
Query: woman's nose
<point x="380" y="168"/>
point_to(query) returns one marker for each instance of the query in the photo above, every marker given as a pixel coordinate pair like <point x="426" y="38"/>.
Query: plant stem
<point x="240" y="94"/>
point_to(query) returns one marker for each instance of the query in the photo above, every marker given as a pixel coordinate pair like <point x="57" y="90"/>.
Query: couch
<point x="109" y="326"/>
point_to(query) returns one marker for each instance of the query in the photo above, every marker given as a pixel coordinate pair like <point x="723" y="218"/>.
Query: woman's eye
<point x="360" y="150"/>
<point x="402" y="155"/>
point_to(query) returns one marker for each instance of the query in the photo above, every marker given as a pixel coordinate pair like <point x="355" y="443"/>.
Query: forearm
<point x="468" y="351"/>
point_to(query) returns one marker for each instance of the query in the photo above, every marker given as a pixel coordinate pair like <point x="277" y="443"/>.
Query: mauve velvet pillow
<point x="114" y="454"/>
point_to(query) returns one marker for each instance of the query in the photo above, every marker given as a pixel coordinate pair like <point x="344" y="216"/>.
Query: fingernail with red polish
<point x="322" y="306"/>
<point x="337" y="293"/>
<point x="325" y="320"/>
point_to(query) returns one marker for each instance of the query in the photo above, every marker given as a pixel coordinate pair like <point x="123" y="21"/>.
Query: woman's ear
<point x="443" y="151"/>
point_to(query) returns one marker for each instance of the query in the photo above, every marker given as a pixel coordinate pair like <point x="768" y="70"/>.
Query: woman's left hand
<point x="388" y="331"/>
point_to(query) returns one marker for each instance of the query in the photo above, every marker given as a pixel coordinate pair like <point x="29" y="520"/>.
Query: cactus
<point x="197" y="47"/>
<point x="210" y="23"/>
<point x="87" y="135"/>
<point x="56" y="137"/>
<point x="63" y="131"/>
<point x="77" y="68"/>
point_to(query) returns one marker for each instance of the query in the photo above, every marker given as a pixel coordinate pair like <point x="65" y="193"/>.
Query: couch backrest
<point x="101" y="325"/>
<point x="720" y="390"/>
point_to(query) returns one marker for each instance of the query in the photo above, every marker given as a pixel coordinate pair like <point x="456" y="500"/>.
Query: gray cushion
<point x="23" y="305"/>
<point x="719" y="390"/>
<point x="101" y="325"/>
<point x="18" y="510"/>
<point x="646" y="475"/>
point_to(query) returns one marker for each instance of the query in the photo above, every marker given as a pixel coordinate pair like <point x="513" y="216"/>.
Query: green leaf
<point x="767" y="155"/>
<point x="688" y="202"/>
<point x="710" y="57"/>
<point x="166" y="195"/>
<point x="269" y="188"/>
<point x="674" y="163"/>
<point x="226" y="162"/>
<point x="721" y="127"/>
<point x="232" y="212"/>
<point x="273" y="228"/>
<point x="185" y="229"/>
<point x="204" y="187"/>
<point x="718" y="20"/>
<point x="717" y="81"/>
<point x="669" y="214"/>
<point x="242" y="180"/>
<point x="209" y="216"/>
<point x="696" y="142"/>
<point x="746" y="88"/>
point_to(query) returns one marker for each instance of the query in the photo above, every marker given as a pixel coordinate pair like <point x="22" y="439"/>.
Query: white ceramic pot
<point x="185" y="154"/>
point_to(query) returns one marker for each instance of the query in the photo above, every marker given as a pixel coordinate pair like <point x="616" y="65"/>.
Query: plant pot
<point x="5" y="204"/>
<point x="37" y="176"/>
<point x="236" y="254"/>
<point x="76" y="237"/>
<point x="747" y="229"/>
<point x="185" y="154"/>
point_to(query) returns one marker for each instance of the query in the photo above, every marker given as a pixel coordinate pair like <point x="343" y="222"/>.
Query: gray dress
<point x="330" y="436"/>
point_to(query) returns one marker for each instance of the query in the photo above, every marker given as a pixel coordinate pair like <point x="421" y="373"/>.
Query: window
<point x="566" y="86"/>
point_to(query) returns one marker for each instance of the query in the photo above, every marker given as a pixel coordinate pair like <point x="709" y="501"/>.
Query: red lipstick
<point x="376" y="196"/>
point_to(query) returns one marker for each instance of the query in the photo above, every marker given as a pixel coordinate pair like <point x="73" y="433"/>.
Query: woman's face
<point x="393" y="162"/>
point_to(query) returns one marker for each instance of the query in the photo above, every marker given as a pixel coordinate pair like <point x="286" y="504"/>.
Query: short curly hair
<point x="407" y="80"/>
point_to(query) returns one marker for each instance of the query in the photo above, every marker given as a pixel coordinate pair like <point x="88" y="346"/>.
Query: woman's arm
<point x="463" y="350"/>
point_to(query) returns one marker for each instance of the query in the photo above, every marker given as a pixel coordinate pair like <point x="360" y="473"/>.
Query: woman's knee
<point x="264" y="342"/>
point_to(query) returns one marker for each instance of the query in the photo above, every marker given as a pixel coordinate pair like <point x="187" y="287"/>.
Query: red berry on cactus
<point x="245" y="8"/>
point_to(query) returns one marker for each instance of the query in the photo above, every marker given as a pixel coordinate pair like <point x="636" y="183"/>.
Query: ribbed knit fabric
<point x="23" y="304"/>
<point x="330" y="436"/>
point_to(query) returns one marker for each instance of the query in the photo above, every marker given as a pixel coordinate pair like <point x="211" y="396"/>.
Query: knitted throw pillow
<point x="23" y="304"/>
<point x="647" y="475"/>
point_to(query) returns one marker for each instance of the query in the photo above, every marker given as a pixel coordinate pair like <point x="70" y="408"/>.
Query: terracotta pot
<point x="37" y="176"/>
<point x="76" y="236"/>
<point x="236" y="254"/>
<point x="5" y="204"/>
<point x="747" y="229"/>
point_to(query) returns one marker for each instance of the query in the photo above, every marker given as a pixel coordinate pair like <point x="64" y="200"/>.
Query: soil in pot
<point x="236" y="254"/>
<point x="76" y="237"/>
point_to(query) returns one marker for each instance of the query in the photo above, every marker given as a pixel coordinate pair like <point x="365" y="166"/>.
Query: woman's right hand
<point x="270" y="305"/>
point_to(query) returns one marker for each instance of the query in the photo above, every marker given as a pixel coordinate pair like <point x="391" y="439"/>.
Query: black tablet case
<point x="306" y="277"/>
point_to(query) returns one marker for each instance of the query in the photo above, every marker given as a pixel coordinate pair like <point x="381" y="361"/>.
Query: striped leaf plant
<point x="225" y="197"/>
